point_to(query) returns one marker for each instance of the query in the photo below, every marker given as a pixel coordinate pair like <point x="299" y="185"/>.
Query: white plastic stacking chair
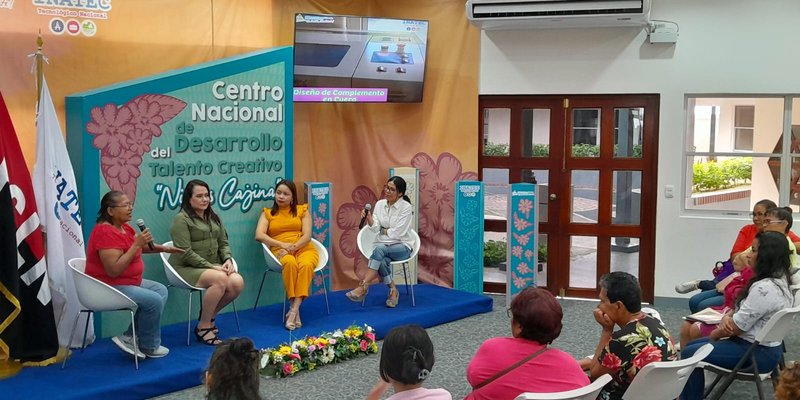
<point x="366" y="242"/>
<point x="664" y="380"/>
<point x="588" y="392"/>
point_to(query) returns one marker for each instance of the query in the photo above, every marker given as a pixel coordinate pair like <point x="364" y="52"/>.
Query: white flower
<point x="338" y="333"/>
<point x="368" y="328"/>
<point x="264" y="359"/>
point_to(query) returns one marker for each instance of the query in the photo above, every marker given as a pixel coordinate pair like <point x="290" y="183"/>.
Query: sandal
<point x="391" y="300"/>
<point x="353" y="296"/>
<point x="290" y="317"/>
<point x="297" y="322"/>
<point x="202" y="336"/>
<point x="213" y="325"/>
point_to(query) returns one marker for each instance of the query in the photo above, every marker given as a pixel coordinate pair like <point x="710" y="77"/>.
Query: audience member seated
<point x="406" y="361"/>
<point x="777" y="220"/>
<point x="207" y="261"/>
<point x="232" y="372"/>
<point x="507" y="366"/>
<point x="114" y="256"/>
<point x="766" y="294"/>
<point x="391" y="220"/>
<point x="640" y="340"/>
<point x="789" y="384"/>
<point x="286" y="229"/>
<point x="712" y="291"/>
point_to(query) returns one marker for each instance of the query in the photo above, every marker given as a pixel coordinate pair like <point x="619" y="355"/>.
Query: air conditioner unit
<point x="530" y="14"/>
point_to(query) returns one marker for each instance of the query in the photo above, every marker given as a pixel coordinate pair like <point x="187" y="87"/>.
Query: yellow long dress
<point x="298" y="268"/>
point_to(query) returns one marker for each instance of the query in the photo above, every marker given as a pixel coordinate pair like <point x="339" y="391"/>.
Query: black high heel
<point x="202" y="336"/>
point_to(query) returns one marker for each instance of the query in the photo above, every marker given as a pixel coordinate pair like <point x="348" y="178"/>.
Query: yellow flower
<point x="285" y="350"/>
<point x="322" y="341"/>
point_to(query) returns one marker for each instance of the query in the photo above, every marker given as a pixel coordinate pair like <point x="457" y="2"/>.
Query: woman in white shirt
<point x="766" y="294"/>
<point x="391" y="220"/>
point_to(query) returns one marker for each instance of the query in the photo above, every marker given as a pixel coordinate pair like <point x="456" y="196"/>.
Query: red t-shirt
<point x="551" y="371"/>
<point x="105" y="236"/>
<point x="746" y="236"/>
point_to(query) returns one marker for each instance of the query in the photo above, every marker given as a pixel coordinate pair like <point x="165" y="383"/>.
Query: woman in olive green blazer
<point x="206" y="261"/>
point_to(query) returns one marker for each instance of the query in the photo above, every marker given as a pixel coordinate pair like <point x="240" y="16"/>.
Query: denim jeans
<point x="383" y="254"/>
<point x="706" y="299"/>
<point x="151" y="297"/>
<point x="726" y="354"/>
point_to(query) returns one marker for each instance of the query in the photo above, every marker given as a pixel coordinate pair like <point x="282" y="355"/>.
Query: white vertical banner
<point x="57" y="201"/>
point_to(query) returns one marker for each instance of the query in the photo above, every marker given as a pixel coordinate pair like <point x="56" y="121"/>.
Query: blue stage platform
<point x="102" y="371"/>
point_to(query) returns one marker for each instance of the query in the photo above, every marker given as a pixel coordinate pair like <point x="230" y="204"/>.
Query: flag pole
<point x="39" y="66"/>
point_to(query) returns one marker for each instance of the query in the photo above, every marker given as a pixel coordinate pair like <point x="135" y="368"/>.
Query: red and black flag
<point x="27" y="327"/>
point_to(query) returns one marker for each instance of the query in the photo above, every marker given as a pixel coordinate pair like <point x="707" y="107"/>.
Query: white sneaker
<point x="161" y="351"/>
<point x="687" y="287"/>
<point x="125" y="344"/>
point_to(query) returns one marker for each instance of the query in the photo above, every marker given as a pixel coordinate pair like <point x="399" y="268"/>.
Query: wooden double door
<point x="594" y="159"/>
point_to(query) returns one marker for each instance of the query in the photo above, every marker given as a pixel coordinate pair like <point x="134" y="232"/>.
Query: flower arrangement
<point x="312" y="352"/>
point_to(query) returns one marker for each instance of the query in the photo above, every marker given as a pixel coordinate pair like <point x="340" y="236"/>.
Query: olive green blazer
<point x="205" y="244"/>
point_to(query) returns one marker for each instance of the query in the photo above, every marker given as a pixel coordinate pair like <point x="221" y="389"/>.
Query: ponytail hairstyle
<point x="186" y="204"/>
<point x="293" y="205"/>
<point x="232" y="372"/>
<point x="400" y="184"/>
<point x="772" y="261"/>
<point x="107" y="202"/>
<point x="407" y="355"/>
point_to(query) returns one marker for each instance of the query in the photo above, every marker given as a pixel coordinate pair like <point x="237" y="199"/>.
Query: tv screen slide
<point x="339" y="58"/>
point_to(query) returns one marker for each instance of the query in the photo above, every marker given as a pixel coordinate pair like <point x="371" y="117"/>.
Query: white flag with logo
<point x="57" y="201"/>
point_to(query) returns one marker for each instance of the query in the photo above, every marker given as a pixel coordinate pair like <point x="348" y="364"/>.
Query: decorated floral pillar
<point x="522" y="237"/>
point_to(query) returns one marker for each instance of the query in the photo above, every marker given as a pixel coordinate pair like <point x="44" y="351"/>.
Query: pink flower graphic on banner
<point x="124" y="134"/>
<point x="525" y="207"/>
<point x="523" y="239"/>
<point x="347" y="219"/>
<point x="322" y="208"/>
<point x="320" y="236"/>
<point x="529" y="254"/>
<point x="523" y="268"/>
<point x="319" y="222"/>
<point x="519" y="282"/>
<point x="436" y="190"/>
<point x="516" y="251"/>
<point x="520" y="224"/>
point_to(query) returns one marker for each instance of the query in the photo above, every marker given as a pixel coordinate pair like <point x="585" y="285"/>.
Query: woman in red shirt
<point x="114" y="256"/>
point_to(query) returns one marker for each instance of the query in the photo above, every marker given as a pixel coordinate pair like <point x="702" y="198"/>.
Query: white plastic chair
<point x="774" y="331"/>
<point x="664" y="380"/>
<point x="177" y="282"/>
<point x="274" y="265"/>
<point x="98" y="296"/>
<point x="366" y="242"/>
<point x="588" y="392"/>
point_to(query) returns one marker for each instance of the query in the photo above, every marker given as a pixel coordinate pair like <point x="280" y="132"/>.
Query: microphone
<point x="140" y="224"/>
<point x="367" y="208"/>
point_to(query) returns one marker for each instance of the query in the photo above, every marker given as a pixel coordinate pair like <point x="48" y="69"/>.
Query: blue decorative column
<point x="318" y="198"/>
<point x="468" y="232"/>
<point x="522" y="237"/>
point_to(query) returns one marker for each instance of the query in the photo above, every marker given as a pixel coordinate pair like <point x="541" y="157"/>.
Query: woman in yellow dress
<point x="286" y="229"/>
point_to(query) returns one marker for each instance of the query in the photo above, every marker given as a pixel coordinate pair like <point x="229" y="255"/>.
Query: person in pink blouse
<point x="406" y="361"/>
<point x="505" y="367"/>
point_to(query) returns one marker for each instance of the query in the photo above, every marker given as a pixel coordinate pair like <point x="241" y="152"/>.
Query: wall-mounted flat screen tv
<point x="339" y="58"/>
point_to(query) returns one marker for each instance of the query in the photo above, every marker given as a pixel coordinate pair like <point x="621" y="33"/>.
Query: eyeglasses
<point x="772" y="221"/>
<point x="509" y="313"/>
<point x="389" y="189"/>
<point x="758" y="214"/>
<point x="126" y="205"/>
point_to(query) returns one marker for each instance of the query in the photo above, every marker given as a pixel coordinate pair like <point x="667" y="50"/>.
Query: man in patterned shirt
<point x="640" y="340"/>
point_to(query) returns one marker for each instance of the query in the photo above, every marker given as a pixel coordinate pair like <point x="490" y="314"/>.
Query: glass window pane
<point x="494" y="257"/>
<point x="730" y="183"/>
<point x="496" y="131"/>
<point x="495" y="201"/>
<point x="714" y="123"/>
<point x="542" y="180"/>
<point x="625" y="255"/>
<point x="541" y="268"/>
<point x="626" y="198"/>
<point x="584" y="192"/>
<point x="586" y="132"/>
<point x="536" y="132"/>
<point x="795" y="125"/>
<point x="628" y="127"/>
<point x="583" y="262"/>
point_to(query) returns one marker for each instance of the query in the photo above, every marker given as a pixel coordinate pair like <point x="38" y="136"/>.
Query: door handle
<point x="552" y="196"/>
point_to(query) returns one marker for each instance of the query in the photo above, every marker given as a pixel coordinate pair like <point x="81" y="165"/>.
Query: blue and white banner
<point x="468" y="232"/>
<point x="522" y="237"/>
<point x="318" y="198"/>
<point x="59" y="210"/>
